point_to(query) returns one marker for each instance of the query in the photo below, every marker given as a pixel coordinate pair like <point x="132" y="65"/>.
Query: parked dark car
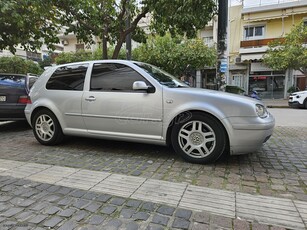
<point x="14" y="90"/>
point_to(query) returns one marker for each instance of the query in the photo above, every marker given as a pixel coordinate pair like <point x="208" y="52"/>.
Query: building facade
<point x="251" y="29"/>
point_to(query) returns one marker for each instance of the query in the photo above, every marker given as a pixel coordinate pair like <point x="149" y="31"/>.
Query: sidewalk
<point x="234" y="206"/>
<point x="276" y="103"/>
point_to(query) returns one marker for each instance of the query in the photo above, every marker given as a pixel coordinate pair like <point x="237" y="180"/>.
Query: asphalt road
<point x="290" y="117"/>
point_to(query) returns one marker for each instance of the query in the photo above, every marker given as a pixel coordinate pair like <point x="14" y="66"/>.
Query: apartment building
<point x="251" y="28"/>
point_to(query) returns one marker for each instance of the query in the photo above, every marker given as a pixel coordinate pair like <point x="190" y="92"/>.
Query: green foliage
<point x="174" y="55"/>
<point x="30" y="22"/>
<point x="18" y="65"/>
<point x="26" y="22"/>
<point x="291" y="52"/>
<point x="69" y="57"/>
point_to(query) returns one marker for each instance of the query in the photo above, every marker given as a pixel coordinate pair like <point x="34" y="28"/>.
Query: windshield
<point x="161" y="76"/>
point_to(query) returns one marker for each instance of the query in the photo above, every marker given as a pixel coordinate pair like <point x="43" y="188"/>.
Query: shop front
<point x="269" y="84"/>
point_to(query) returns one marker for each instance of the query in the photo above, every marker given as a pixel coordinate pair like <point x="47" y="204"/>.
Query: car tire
<point x="46" y="128"/>
<point x="200" y="138"/>
<point x="305" y="104"/>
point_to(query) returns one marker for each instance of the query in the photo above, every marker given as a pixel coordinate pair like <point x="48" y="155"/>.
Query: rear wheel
<point x="199" y="139"/>
<point x="46" y="128"/>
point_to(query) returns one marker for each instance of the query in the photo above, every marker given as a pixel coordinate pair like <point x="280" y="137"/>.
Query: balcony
<point x="258" y="43"/>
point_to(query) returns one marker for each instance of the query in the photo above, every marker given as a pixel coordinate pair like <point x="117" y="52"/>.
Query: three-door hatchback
<point x="133" y="101"/>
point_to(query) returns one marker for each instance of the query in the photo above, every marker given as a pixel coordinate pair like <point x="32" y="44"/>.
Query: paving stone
<point x="80" y="215"/>
<point x="52" y="210"/>
<point x="202" y="217"/>
<point x="113" y="224"/>
<point x="158" y="219"/>
<point x="43" y="186"/>
<point x="181" y="223"/>
<point x="68" y="225"/>
<point x="90" y="196"/>
<point x="133" y="203"/>
<point x="53" y="188"/>
<point x="257" y="226"/>
<point x="241" y="224"/>
<point x="201" y="226"/>
<point x="66" y="201"/>
<point x="64" y="190"/>
<point x="81" y="203"/>
<point x="67" y="212"/>
<point x="127" y="213"/>
<point x="132" y="226"/>
<point x="96" y="220"/>
<point x="77" y="193"/>
<point x="141" y="216"/>
<point x="8" y="224"/>
<point x="221" y="221"/>
<point x="108" y="209"/>
<point x="154" y="227"/>
<point x="117" y="201"/>
<point x="52" y="198"/>
<point x="21" y="217"/>
<point x="93" y="207"/>
<point x="52" y="222"/>
<point x="149" y="206"/>
<point x="183" y="213"/>
<point x="40" y="206"/>
<point x="11" y="212"/>
<point x="166" y="210"/>
<point x="104" y="197"/>
<point x="37" y="219"/>
<point x="5" y="198"/>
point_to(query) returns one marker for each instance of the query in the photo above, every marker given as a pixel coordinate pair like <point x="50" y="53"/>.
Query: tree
<point x="290" y="52"/>
<point x="28" y="23"/>
<point x="34" y="20"/>
<point x="18" y="65"/>
<point x="175" y="54"/>
<point x="106" y="19"/>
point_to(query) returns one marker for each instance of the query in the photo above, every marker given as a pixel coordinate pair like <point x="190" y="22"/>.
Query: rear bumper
<point x="12" y="112"/>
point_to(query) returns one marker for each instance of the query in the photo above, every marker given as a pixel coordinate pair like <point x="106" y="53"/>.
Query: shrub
<point x="19" y="65"/>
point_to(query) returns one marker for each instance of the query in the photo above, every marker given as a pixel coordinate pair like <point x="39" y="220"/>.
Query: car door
<point x="113" y="109"/>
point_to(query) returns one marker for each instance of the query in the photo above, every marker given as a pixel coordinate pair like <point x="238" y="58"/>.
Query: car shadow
<point x="14" y="126"/>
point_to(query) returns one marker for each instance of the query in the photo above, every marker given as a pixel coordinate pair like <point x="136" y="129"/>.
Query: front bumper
<point x="250" y="134"/>
<point x="294" y="104"/>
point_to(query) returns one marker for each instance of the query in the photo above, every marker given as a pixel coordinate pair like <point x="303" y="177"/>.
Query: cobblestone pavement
<point x="278" y="169"/>
<point x="31" y="205"/>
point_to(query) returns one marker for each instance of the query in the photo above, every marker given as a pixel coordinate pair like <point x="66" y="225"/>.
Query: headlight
<point x="261" y="111"/>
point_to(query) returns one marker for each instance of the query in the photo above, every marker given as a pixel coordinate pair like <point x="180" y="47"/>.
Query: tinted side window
<point x="12" y="81"/>
<point x="114" y="77"/>
<point x="69" y="77"/>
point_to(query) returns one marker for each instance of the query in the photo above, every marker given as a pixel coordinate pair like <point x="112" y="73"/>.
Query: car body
<point x="298" y="99"/>
<point x="14" y="90"/>
<point x="134" y="101"/>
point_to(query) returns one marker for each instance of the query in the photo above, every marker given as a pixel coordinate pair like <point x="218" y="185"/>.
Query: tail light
<point x="24" y="100"/>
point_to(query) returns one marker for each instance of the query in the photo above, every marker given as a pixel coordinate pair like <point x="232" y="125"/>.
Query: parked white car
<point x="298" y="99"/>
<point x="133" y="101"/>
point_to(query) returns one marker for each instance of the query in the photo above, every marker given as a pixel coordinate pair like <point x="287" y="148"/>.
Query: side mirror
<point x="141" y="85"/>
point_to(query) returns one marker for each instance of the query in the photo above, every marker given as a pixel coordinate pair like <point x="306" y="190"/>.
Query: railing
<point x="256" y="3"/>
<point x="257" y="43"/>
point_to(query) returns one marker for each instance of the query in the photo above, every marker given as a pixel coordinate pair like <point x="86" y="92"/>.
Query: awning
<point x="249" y="57"/>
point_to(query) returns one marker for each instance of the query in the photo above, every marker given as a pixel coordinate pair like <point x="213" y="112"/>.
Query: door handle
<point x="90" y="98"/>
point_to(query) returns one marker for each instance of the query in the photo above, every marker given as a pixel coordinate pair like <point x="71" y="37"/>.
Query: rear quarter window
<point x="69" y="77"/>
<point x="12" y="81"/>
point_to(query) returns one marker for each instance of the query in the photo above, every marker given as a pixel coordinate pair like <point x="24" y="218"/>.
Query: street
<point x="275" y="174"/>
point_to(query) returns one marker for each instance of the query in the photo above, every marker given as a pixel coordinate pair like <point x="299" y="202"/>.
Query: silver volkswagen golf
<point x="133" y="101"/>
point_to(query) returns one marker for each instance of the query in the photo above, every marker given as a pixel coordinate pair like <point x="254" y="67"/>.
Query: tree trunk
<point x="119" y="45"/>
<point x="105" y="44"/>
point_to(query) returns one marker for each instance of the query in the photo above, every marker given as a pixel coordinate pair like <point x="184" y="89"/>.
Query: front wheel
<point x="199" y="139"/>
<point x="46" y="128"/>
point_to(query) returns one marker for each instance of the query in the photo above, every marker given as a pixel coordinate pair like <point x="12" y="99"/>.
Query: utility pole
<point x="222" y="62"/>
<point x="128" y="37"/>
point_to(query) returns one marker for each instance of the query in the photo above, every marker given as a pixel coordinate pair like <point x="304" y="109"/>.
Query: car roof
<point x="100" y="61"/>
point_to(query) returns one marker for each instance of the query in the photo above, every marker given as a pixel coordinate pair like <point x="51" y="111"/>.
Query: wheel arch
<point x="185" y="114"/>
<point x="39" y="108"/>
